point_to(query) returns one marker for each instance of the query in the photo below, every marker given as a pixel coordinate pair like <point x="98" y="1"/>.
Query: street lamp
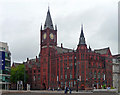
<point x="77" y="75"/>
<point x="24" y="78"/>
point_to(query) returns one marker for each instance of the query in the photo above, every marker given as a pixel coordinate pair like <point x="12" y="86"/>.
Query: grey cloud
<point x="21" y="24"/>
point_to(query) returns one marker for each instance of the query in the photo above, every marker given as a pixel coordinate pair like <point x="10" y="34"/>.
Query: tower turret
<point x="82" y="38"/>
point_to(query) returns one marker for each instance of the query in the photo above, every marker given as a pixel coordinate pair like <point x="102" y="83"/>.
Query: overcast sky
<point x="20" y="22"/>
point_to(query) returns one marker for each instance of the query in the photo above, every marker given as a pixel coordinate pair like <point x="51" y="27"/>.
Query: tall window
<point x="70" y="76"/>
<point x="61" y="84"/>
<point x="74" y="82"/>
<point x="65" y="84"/>
<point x="61" y="77"/>
<point x="71" y="84"/>
<point x="65" y="76"/>
<point x="94" y="74"/>
<point x="99" y="75"/>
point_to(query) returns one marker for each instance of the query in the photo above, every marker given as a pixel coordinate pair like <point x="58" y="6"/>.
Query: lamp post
<point x="77" y="76"/>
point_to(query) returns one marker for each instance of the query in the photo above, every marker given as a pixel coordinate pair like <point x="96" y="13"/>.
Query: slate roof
<point x="48" y="22"/>
<point x="62" y="50"/>
<point x="102" y="51"/>
<point x="33" y="62"/>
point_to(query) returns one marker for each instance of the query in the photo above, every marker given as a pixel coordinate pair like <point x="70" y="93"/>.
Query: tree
<point x="18" y="74"/>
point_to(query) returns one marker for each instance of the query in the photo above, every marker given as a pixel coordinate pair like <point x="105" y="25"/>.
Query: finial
<point x="61" y="45"/>
<point x="48" y="21"/>
<point x="48" y="6"/>
<point x="81" y="26"/>
<point x="41" y="26"/>
<point x="55" y="27"/>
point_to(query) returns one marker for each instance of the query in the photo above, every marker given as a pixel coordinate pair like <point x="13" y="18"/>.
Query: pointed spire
<point x="82" y="34"/>
<point x="48" y="21"/>
<point x="82" y="38"/>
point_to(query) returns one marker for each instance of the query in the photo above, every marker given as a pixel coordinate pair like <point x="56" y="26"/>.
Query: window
<point x="74" y="82"/>
<point x="65" y="76"/>
<point x="0" y="71"/>
<point x="61" y="77"/>
<point x="65" y="84"/>
<point x="71" y="84"/>
<point x="75" y="57"/>
<point x="3" y="78"/>
<point x="0" y="76"/>
<point x="89" y="63"/>
<point x="70" y="76"/>
<point x="38" y="70"/>
<point x="34" y="71"/>
<point x="6" y="55"/>
<point x="61" y="84"/>
<point x="99" y="75"/>
<point x="95" y="75"/>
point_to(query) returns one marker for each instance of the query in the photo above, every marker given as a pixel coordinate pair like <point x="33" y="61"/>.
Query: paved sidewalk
<point x="44" y="92"/>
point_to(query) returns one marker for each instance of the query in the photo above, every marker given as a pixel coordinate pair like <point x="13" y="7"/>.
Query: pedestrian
<point x="70" y="91"/>
<point x="66" y="90"/>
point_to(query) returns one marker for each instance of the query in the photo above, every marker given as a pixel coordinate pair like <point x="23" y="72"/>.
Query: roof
<point x="102" y="51"/>
<point x="33" y="62"/>
<point x="48" y="22"/>
<point x="117" y="55"/>
<point x="62" y="50"/>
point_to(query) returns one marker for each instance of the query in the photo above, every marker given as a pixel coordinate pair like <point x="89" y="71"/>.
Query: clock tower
<point x="48" y="34"/>
<point x="48" y="41"/>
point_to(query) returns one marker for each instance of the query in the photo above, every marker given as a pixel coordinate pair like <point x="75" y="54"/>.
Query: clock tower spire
<point x="47" y="51"/>
<point x="48" y="21"/>
<point x="82" y="38"/>
<point x="82" y="43"/>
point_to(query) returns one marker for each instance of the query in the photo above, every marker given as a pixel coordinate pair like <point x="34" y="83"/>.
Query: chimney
<point x="61" y="45"/>
<point x="27" y="59"/>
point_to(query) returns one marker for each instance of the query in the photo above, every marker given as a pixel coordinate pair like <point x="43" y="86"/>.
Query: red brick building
<point x="60" y="67"/>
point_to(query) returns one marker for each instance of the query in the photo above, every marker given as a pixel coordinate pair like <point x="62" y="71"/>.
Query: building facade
<point x="61" y="67"/>
<point x="116" y="72"/>
<point x="33" y="70"/>
<point x="5" y="66"/>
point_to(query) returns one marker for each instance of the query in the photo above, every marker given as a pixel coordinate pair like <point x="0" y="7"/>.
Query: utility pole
<point x="77" y="75"/>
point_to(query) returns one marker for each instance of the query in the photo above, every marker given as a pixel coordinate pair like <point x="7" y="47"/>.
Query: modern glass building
<point x="5" y="66"/>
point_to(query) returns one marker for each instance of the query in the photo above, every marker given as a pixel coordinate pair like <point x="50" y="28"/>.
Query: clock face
<point x="51" y="35"/>
<point x="44" y="36"/>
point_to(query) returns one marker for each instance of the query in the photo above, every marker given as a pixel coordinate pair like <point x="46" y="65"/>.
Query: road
<point x="56" y="93"/>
